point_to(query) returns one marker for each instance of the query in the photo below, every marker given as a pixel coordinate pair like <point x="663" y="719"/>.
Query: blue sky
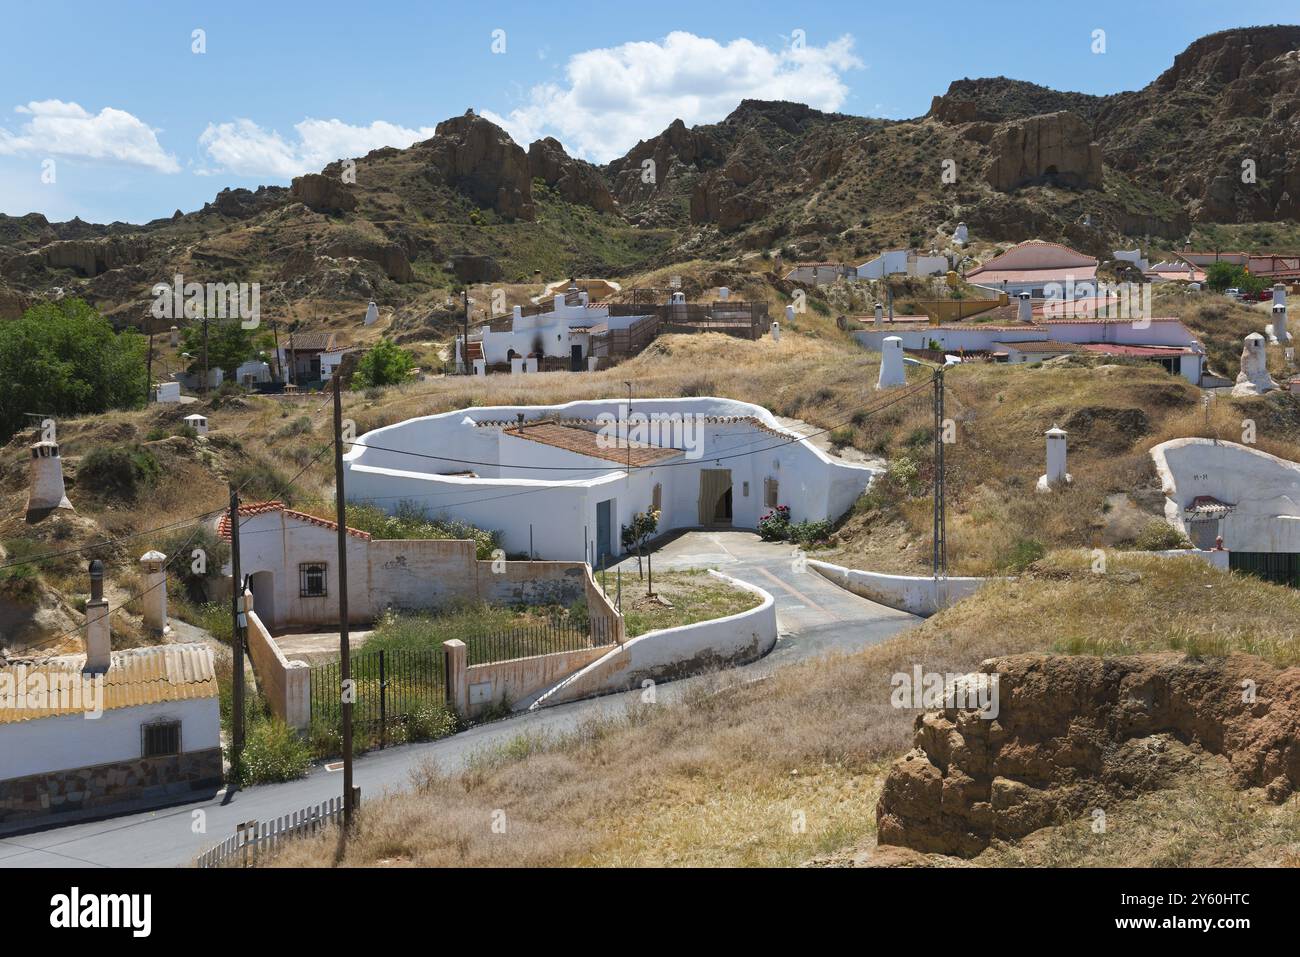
<point x="111" y="103"/>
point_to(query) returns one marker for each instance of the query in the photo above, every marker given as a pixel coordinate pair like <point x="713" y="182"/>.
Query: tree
<point x="230" y="345"/>
<point x="643" y="527"/>
<point x="385" y="364"/>
<point x="63" y="358"/>
<point x="1225" y="275"/>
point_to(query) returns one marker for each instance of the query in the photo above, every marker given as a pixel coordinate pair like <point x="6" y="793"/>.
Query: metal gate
<point x="1281" y="568"/>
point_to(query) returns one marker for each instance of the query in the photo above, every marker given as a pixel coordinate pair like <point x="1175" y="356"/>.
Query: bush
<point x="1160" y="536"/>
<point x="430" y="722"/>
<point x="385" y="364"/>
<point x="774" y="524"/>
<point x="412" y="520"/>
<point x="118" y="472"/>
<point x="273" y="752"/>
<point x="19" y="581"/>
<point x="805" y="533"/>
<point x="259" y="480"/>
<point x="1024" y="552"/>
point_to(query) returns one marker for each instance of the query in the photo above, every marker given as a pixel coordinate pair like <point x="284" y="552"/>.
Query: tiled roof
<point x="1032" y="244"/>
<point x="984" y="276"/>
<point x="592" y="444"/>
<point x="310" y="341"/>
<point x="1149" y="352"/>
<point x="1039" y="345"/>
<point x="259" y="508"/>
<point x="136" y="676"/>
<point x="1208" y="506"/>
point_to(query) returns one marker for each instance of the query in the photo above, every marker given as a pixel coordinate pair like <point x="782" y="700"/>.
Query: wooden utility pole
<point x="345" y="655"/>
<point x="939" y="559"/>
<point x="236" y="642"/>
<point x="464" y="351"/>
<point x="148" y="371"/>
<point x="205" y="357"/>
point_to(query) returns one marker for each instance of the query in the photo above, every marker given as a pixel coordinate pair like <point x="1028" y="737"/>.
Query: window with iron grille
<point x="311" y="580"/>
<point x="160" y="738"/>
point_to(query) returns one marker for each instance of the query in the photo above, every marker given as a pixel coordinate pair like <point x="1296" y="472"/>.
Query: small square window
<point x="160" y="738"/>
<point x="311" y="580"/>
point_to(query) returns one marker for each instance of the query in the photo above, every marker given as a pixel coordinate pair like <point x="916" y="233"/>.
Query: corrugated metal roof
<point x="136" y="676"/>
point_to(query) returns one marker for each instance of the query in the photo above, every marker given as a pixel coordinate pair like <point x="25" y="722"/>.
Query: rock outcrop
<point x="390" y="257"/>
<point x="323" y="194"/>
<point x="574" y="180"/>
<point x="1055" y="148"/>
<point x="480" y="159"/>
<point x="1074" y="733"/>
<point x="86" y="257"/>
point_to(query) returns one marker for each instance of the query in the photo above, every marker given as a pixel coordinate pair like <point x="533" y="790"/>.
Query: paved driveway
<point x="815" y="617"/>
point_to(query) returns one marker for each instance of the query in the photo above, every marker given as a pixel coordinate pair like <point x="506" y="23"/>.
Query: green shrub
<point x="1024" y="552"/>
<point x="120" y="472"/>
<point x="805" y="533"/>
<point x="774" y="524"/>
<point x="259" y="480"/>
<point x="430" y="722"/>
<point x="1159" y="536"/>
<point x="273" y="752"/>
<point x="19" y="581"/>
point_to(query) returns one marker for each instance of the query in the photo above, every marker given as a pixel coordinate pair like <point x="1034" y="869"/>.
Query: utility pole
<point x="464" y="351"/>
<point x="205" y="357"/>
<point x="939" y="560"/>
<point x="148" y="370"/>
<point x="627" y="429"/>
<point x="236" y="641"/>
<point x="279" y="363"/>
<point x="345" y="655"/>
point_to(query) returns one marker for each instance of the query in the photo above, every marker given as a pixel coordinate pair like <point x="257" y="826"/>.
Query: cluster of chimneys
<point x="99" y="651"/>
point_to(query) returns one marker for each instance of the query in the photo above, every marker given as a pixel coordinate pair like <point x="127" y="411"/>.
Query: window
<point x="657" y="497"/>
<point x="311" y="580"/>
<point x="160" y="738"/>
<point x="771" y="492"/>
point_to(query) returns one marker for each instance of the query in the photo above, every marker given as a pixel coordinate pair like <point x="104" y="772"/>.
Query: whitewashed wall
<point x="916" y="594"/>
<point x="74" y="741"/>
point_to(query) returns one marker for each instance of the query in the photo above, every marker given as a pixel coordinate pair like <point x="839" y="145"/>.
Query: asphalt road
<point x="816" y="618"/>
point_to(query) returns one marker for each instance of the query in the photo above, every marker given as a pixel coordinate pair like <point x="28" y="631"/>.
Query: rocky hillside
<point x="407" y="227"/>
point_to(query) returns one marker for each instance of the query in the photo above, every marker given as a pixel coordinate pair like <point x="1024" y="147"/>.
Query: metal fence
<point x="529" y="640"/>
<point x="388" y="687"/>
<point x="255" y="839"/>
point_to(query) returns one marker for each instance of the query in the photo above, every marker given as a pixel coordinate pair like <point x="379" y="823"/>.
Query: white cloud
<point x="246" y="149"/>
<point x="56" y="128"/>
<point x="613" y="97"/>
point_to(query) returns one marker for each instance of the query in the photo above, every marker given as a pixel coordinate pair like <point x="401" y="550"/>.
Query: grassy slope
<point x="722" y="778"/>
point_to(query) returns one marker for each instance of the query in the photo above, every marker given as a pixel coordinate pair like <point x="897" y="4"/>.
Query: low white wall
<point x="911" y="593"/>
<point x="1217" y="558"/>
<point x="672" y="653"/>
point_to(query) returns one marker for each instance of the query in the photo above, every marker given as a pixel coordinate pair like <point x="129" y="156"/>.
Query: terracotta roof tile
<point x="259" y="508"/>
<point x="592" y="444"/>
<point x="136" y="676"/>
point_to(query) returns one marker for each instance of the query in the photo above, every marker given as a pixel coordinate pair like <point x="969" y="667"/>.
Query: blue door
<point x="603" y="524"/>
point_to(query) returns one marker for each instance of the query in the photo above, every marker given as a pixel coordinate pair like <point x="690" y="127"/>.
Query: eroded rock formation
<point x="1054" y="148"/>
<point x="1076" y="732"/>
<point x="574" y="180"/>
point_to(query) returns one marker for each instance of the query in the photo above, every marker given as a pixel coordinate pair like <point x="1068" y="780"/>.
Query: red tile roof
<point x="590" y="443"/>
<point x="260" y="508"/>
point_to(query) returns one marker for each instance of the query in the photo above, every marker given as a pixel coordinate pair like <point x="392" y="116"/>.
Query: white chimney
<point x="198" y="423"/>
<point x="1279" y="294"/>
<point x="559" y="302"/>
<point x="174" y="337"/>
<point x="789" y="314"/>
<point x="372" y="314"/>
<point x="517" y="312"/>
<point x="776" y="331"/>
<point x="891" y="363"/>
<point x="153" y="565"/>
<point x="584" y="297"/>
<point x="724" y="293"/>
<point x="1056" y="470"/>
<point x="880" y="315"/>
<point x="1025" y="310"/>
<point x="47" y="491"/>
<point x="99" y="648"/>
<point x="962" y="236"/>
<point x="1280" y="332"/>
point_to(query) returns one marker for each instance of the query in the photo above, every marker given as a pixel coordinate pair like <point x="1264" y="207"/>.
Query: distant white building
<point x="1039" y="268"/>
<point x="562" y="329"/>
<point x="820" y="274"/>
<point x="566" y="480"/>
<point x="902" y="262"/>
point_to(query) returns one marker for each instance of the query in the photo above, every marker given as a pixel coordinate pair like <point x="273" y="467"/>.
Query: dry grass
<point x="718" y="779"/>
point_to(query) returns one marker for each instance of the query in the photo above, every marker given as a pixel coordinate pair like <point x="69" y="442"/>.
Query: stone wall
<point x="156" y="781"/>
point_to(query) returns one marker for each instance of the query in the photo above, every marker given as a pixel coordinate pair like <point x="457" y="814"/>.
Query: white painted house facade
<point x="564" y="330"/>
<point x="902" y="262"/>
<point x="562" y="486"/>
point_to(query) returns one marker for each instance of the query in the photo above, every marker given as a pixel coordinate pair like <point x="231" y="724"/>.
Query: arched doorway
<point x="715" y="497"/>
<point x="262" y="585"/>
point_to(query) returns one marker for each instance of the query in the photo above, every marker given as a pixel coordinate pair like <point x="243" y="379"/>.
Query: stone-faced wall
<point x="152" y="780"/>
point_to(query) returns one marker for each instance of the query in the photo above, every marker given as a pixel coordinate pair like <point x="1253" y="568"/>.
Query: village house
<point x="309" y="356"/>
<point x="1248" y="498"/>
<point x="1163" y="340"/>
<point x="1040" y="269"/>
<point x="84" y="731"/>
<point x="903" y="262"/>
<point x="563" y="480"/>
<point x="820" y="274"/>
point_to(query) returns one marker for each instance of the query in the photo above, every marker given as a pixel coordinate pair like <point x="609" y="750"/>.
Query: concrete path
<point x="816" y="618"/>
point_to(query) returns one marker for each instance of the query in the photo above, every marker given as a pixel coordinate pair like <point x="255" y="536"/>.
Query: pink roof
<point x="1046" y="274"/>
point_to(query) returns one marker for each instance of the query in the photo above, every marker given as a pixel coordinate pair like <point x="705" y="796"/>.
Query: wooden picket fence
<point x="256" y="838"/>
